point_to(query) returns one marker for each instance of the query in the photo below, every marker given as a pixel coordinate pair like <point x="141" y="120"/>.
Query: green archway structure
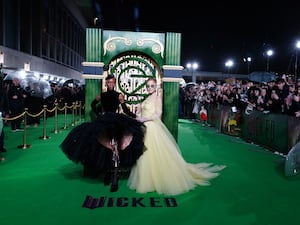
<point x="133" y="57"/>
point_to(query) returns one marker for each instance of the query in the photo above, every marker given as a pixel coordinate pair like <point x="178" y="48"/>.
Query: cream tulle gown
<point x="161" y="167"/>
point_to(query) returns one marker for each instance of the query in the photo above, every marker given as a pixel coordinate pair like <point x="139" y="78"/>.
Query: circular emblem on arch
<point x="132" y="70"/>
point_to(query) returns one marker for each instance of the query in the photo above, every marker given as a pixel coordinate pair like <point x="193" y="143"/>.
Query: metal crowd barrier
<point x="76" y="108"/>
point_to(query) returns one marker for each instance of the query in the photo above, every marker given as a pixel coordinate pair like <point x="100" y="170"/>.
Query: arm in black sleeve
<point x="94" y="106"/>
<point x="127" y="111"/>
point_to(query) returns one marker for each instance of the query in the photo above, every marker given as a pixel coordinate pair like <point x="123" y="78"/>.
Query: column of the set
<point x="171" y="80"/>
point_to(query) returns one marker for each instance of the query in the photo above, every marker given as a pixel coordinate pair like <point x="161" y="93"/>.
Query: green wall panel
<point x="170" y="106"/>
<point x="93" y="45"/>
<point x="173" y="49"/>
<point x="93" y="88"/>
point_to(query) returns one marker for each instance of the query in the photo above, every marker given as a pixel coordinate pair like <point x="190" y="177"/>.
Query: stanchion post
<point x="24" y="146"/>
<point x="65" y="116"/>
<point x="45" y="137"/>
<point x="56" y="119"/>
<point x="80" y="111"/>
<point x="76" y="110"/>
<point x="73" y="112"/>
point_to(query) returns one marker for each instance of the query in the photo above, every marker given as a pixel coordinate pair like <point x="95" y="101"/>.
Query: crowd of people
<point x="275" y="96"/>
<point x="18" y="95"/>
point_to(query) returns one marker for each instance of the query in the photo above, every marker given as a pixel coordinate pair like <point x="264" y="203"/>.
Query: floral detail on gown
<point x="162" y="167"/>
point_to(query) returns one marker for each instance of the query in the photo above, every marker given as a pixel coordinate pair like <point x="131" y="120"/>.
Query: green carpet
<point x="40" y="186"/>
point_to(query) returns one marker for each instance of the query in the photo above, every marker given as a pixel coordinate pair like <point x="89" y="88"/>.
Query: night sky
<point x="215" y="32"/>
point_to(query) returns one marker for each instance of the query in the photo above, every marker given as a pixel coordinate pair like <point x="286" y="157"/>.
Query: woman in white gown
<point x="162" y="168"/>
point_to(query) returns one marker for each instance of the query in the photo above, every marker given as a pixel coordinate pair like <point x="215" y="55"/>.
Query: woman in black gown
<point x="112" y="142"/>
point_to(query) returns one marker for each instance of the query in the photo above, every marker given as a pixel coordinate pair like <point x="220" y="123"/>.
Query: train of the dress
<point x="162" y="167"/>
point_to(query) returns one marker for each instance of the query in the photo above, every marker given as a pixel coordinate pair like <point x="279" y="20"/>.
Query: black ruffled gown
<point x="89" y="142"/>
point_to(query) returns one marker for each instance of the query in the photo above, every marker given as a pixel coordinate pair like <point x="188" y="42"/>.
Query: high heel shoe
<point x="114" y="187"/>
